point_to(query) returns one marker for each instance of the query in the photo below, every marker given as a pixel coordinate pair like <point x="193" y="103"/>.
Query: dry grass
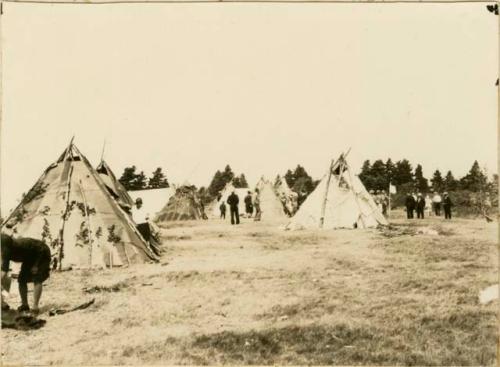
<point x="253" y="294"/>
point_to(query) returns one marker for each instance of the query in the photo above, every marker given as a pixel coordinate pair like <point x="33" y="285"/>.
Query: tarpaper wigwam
<point x="71" y="210"/>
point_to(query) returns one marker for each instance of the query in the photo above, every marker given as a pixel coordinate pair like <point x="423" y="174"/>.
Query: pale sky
<point x="263" y="87"/>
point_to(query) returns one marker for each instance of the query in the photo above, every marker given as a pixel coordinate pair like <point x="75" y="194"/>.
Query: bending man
<point x="34" y="256"/>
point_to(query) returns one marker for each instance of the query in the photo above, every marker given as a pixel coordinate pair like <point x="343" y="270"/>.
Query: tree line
<point x="379" y="175"/>
<point x="375" y="176"/>
<point x="132" y="180"/>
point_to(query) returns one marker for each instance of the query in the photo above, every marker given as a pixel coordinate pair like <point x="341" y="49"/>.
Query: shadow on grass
<point x="339" y="344"/>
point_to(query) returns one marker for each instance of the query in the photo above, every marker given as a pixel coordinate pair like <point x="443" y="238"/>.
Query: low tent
<point x="71" y="210"/>
<point x="271" y="206"/>
<point x="288" y="197"/>
<point x="339" y="201"/>
<point x="241" y="192"/>
<point x="183" y="205"/>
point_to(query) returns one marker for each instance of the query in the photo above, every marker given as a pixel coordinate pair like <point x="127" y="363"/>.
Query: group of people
<point x="421" y="205"/>
<point x="252" y="204"/>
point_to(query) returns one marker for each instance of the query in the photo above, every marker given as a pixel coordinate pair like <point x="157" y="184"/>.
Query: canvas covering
<point x="270" y="204"/>
<point x="114" y="186"/>
<point x="348" y="205"/>
<point x="71" y="210"/>
<point x="288" y="197"/>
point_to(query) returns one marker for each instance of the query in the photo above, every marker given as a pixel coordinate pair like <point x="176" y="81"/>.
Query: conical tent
<point x="114" y="186"/>
<point x="270" y="204"/>
<point x="183" y="205"/>
<point x="71" y="210"/>
<point x="288" y="197"/>
<point x="241" y="192"/>
<point x="339" y="201"/>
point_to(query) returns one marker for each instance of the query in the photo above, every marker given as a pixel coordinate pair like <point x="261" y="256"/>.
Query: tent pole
<point x="356" y="197"/>
<point x="103" y="147"/>
<point x="61" y="230"/>
<point x="323" y="207"/>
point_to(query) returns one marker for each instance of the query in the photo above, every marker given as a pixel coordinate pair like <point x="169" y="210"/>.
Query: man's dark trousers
<point x="235" y="215"/>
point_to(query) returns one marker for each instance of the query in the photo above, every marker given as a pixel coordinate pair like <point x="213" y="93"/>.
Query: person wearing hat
<point x="249" y="204"/>
<point x="447" y="204"/>
<point x="420" y="206"/>
<point x="410" y="205"/>
<point x="256" y="204"/>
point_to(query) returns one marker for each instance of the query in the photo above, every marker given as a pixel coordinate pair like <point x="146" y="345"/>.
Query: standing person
<point x="256" y="204"/>
<point x="428" y="205"/>
<point x="436" y="202"/>
<point x="410" y="205"/>
<point x="420" y="206"/>
<point x="384" y="199"/>
<point x="34" y="256"/>
<point x="233" y="200"/>
<point x="249" y="204"/>
<point x="378" y="200"/>
<point x="222" y="209"/>
<point x="447" y="204"/>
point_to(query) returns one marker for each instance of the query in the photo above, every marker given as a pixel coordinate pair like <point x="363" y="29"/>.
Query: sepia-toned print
<point x="249" y="183"/>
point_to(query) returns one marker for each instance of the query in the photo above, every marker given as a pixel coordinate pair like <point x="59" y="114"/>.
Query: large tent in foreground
<point x="72" y="211"/>
<point x="339" y="201"/>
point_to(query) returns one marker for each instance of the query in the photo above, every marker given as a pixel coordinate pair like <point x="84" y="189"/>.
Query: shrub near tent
<point x="71" y="210"/>
<point x="339" y="201"/>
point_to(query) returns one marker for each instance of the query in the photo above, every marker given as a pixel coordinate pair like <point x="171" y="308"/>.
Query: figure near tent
<point x="249" y="204"/>
<point x="256" y="204"/>
<point x="222" y="209"/>
<point x="34" y="256"/>
<point x="233" y="200"/>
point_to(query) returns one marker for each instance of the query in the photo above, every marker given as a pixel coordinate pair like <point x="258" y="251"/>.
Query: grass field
<point x="255" y="294"/>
